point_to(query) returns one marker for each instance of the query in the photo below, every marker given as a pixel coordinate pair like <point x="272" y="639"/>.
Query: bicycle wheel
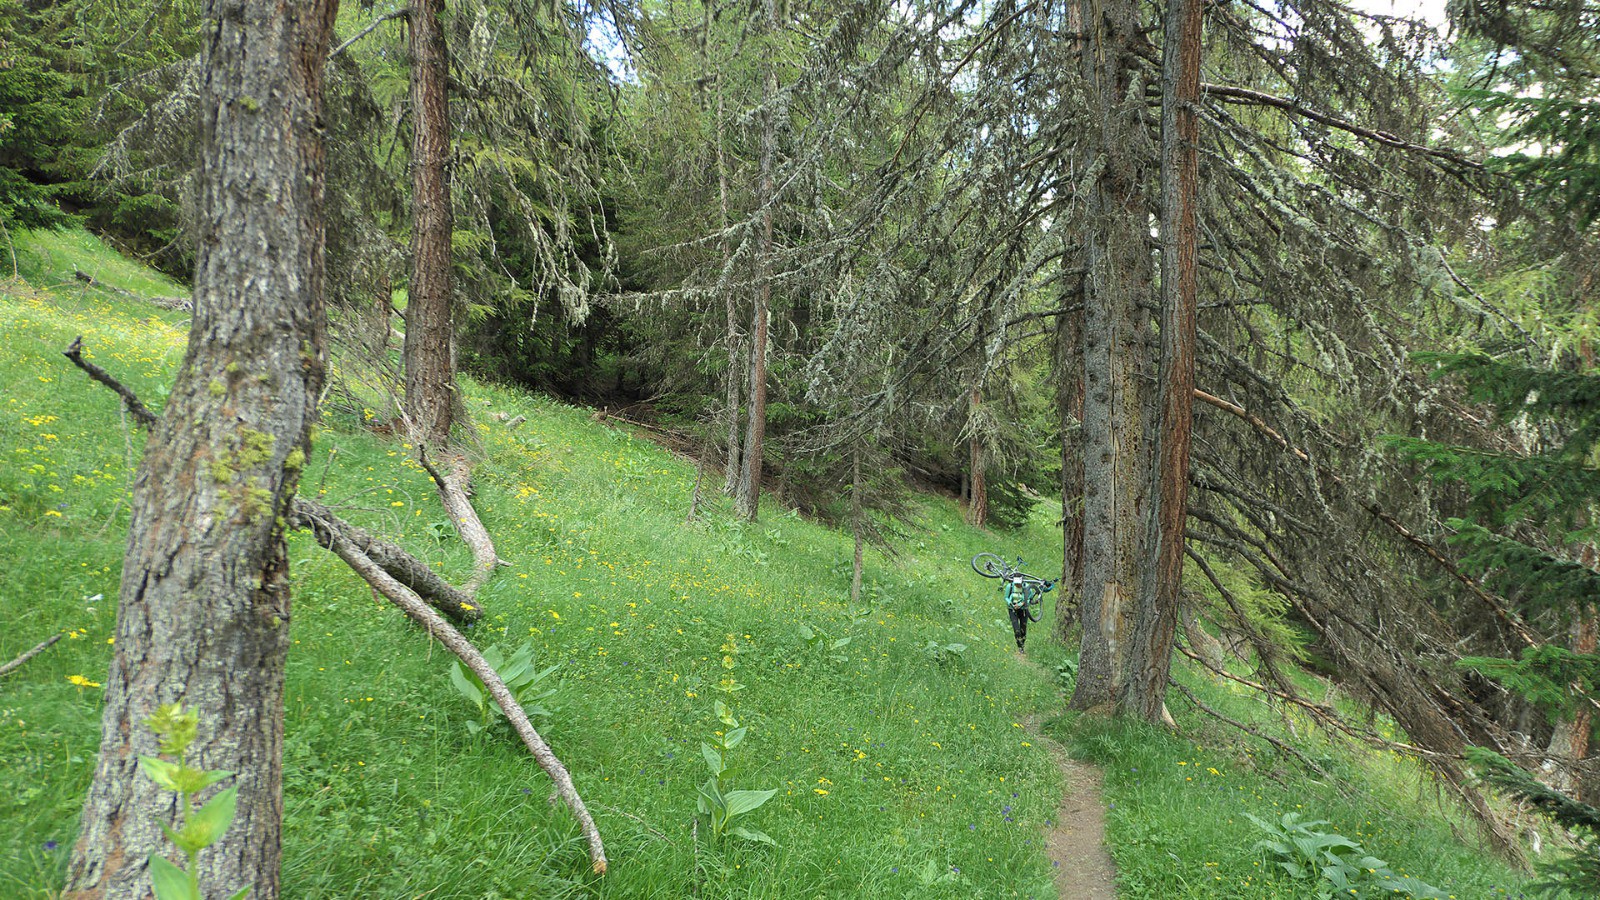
<point x="989" y="565"/>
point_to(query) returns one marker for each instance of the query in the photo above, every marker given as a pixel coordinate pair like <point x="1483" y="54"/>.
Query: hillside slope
<point x="900" y="762"/>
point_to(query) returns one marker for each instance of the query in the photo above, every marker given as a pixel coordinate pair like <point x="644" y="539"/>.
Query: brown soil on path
<point x="1076" y="840"/>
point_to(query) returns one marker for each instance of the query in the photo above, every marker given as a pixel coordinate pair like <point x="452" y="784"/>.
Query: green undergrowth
<point x="900" y="771"/>
<point x="1179" y="806"/>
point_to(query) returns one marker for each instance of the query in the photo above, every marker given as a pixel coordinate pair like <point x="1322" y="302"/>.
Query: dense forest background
<point x="1295" y="298"/>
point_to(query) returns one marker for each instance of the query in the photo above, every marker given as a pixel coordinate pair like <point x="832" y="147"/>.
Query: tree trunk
<point x="1069" y="411"/>
<point x="203" y="611"/>
<point x="856" y="513"/>
<point x="732" y="468"/>
<point x="978" y="508"/>
<point x="1115" y="461"/>
<point x="749" y="499"/>
<point x="1150" y="649"/>
<point x="430" y="362"/>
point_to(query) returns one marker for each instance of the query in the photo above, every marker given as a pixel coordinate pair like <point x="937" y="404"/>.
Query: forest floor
<point x="1076" y="838"/>
<point x="897" y="732"/>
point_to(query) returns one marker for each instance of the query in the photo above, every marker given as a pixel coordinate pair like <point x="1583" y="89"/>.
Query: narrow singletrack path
<point x="1076" y="841"/>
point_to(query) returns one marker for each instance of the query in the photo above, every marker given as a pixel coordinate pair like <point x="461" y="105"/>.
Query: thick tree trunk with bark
<point x="1114" y="458"/>
<point x="430" y="347"/>
<point x="430" y="362"/>
<point x="203" y="611"/>
<point x="1150" y="647"/>
<point x="749" y="497"/>
<point x="1069" y="409"/>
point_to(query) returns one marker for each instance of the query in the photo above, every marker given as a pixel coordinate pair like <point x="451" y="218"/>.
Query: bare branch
<point x="39" y="648"/>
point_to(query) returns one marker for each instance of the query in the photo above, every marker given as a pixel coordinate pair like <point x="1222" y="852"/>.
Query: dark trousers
<point x="1019" y="624"/>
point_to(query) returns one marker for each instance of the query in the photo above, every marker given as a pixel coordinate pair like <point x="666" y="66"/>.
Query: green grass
<point x="896" y="776"/>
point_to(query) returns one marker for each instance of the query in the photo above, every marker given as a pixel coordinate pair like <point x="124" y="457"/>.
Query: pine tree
<point x="1531" y="537"/>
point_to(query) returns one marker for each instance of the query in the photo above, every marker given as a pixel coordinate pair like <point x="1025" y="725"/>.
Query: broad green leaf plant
<point x="721" y="805"/>
<point x="521" y="677"/>
<point x="196" y="829"/>
<point x="1334" y="865"/>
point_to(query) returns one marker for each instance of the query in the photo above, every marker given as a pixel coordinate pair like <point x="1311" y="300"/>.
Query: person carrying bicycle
<point x="1024" y="593"/>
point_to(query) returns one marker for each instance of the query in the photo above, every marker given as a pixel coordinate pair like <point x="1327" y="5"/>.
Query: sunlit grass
<point x="897" y="776"/>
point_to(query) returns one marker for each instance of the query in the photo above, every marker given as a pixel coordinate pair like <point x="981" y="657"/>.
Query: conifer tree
<point x="1531" y="536"/>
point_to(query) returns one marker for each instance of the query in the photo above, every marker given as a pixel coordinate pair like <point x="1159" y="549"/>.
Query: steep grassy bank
<point x="900" y="765"/>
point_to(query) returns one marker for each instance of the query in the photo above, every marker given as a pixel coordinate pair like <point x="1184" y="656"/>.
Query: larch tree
<point x="204" y="608"/>
<point x="1150" y="650"/>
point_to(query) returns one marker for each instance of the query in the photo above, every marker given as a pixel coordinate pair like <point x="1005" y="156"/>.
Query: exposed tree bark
<point x="1069" y="410"/>
<point x="749" y="497"/>
<point x="1115" y="460"/>
<point x="856" y="525"/>
<point x="203" y="610"/>
<point x="432" y="396"/>
<point x="1150" y="648"/>
<point x="430" y="347"/>
<point x="978" y="506"/>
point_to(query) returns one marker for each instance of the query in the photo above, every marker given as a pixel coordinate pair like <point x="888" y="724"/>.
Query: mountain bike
<point x="1024" y="593"/>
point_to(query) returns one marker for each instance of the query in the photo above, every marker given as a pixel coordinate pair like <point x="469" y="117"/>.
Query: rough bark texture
<point x="1114" y="460"/>
<point x="1069" y="408"/>
<point x="749" y="498"/>
<point x="978" y="506"/>
<point x="1150" y="646"/>
<point x="203" y="611"/>
<point x="430" y="332"/>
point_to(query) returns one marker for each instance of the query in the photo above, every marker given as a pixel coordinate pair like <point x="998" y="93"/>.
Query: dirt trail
<point x="1077" y="839"/>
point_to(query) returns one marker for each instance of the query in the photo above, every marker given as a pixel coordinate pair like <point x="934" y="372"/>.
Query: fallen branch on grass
<point x="39" y="648"/>
<point x="320" y="520"/>
<point x="178" y="303"/>
<point x="356" y="548"/>
<point x="452" y="485"/>
<point x="437" y="627"/>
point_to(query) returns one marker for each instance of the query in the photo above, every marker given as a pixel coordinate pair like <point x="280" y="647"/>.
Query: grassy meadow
<point x="902" y="768"/>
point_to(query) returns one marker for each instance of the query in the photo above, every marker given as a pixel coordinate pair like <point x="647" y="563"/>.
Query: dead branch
<point x="178" y="303"/>
<point x="392" y="14"/>
<point x="136" y="408"/>
<point x="39" y="648"/>
<point x="327" y="528"/>
<point x="1232" y="94"/>
<point x="420" y="612"/>
<point x="1282" y="746"/>
<point x="320" y="520"/>
<point x="452" y="486"/>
